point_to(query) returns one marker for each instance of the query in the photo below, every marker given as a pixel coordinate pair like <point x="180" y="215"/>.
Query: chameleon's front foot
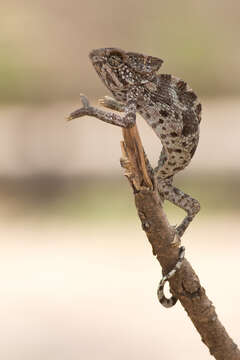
<point x="112" y="104"/>
<point x="126" y="121"/>
<point x="85" y="110"/>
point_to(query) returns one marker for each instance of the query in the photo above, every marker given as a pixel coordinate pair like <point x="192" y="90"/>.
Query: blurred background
<point x="77" y="276"/>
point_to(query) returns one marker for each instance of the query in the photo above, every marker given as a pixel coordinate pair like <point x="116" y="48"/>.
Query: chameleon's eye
<point x="115" y="59"/>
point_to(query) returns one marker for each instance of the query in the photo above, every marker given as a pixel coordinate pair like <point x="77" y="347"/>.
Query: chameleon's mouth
<point x="96" y="56"/>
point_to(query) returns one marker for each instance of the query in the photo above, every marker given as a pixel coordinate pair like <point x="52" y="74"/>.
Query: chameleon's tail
<point x="160" y="293"/>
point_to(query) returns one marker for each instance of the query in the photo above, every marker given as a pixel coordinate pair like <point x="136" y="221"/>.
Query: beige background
<point x="78" y="280"/>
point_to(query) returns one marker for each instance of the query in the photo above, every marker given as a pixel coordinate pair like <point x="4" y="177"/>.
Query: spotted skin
<point x="167" y="104"/>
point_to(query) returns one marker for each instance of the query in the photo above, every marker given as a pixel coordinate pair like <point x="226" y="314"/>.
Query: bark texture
<point x="185" y="284"/>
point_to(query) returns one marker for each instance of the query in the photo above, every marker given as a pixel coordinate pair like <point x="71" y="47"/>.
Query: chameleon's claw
<point x="102" y="102"/>
<point x="84" y="100"/>
<point x="105" y="100"/>
<point x="75" y="114"/>
<point x="69" y="118"/>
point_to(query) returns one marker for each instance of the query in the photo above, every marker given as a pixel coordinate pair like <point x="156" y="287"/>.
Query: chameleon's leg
<point x="127" y="120"/>
<point x="179" y="198"/>
<point x="112" y="104"/>
<point x="161" y="161"/>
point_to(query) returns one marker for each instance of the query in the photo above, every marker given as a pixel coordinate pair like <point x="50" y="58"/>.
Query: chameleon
<point x="168" y="105"/>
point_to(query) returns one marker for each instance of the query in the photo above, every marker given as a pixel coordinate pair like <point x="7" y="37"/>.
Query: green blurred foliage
<point x="108" y="200"/>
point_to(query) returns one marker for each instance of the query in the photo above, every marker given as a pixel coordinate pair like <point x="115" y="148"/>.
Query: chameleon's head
<point x="119" y="69"/>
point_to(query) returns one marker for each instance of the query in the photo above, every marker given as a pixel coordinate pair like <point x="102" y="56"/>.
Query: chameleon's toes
<point x="177" y="239"/>
<point x="84" y="101"/>
<point x="75" y="114"/>
<point x="102" y="102"/>
<point x="175" y="228"/>
<point x="106" y="100"/>
<point x="109" y="103"/>
<point x="85" y="110"/>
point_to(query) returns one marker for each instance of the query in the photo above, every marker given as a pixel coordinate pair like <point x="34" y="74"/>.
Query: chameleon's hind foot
<point x="184" y="201"/>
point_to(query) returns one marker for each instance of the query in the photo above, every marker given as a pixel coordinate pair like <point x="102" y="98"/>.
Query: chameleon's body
<point x="168" y="105"/>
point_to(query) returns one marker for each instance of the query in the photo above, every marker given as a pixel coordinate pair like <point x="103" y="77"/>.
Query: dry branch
<point x="185" y="284"/>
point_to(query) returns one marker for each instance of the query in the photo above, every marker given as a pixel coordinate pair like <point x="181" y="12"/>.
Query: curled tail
<point x="160" y="292"/>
